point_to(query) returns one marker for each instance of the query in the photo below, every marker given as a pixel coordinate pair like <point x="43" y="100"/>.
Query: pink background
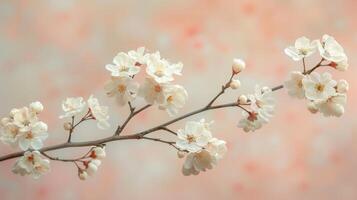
<point x="53" y="49"/>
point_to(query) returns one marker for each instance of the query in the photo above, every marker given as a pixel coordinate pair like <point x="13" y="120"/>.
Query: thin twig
<point x="131" y="115"/>
<point x="224" y="87"/>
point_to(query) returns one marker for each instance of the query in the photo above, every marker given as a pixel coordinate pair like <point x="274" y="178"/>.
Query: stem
<point x="131" y="115"/>
<point x="224" y="87"/>
<point x="303" y="63"/>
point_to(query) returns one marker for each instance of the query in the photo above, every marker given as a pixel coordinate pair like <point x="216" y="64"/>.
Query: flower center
<point x="191" y="138"/>
<point x="319" y="87"/>
<point x="253" y="116"/>
<point x="123" y="68"/>
<point x="303" y="51"/>
<point x="29" y="135"/>
<point x="170" y="99"/>
<point x="299" y="83"/>
<point x="121" y="88"/>
<point x="159" y="73"/>
<point x="157" y="88"/>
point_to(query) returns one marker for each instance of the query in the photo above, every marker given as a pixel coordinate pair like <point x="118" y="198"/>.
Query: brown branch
<point x="137" y="136"/>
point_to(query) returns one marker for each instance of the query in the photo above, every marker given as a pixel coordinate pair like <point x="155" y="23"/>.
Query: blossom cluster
<point x="74" y="106"/>
<point x="95" y="157"/>
<point x="203" y="150"/>
<point x="261" y="110"/>
<point x="24" y="129"/>
<point x="157" y="88"/>
<point x="324" y="94"/>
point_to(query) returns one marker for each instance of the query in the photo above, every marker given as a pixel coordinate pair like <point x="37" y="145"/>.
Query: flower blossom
<point x="161" y="70"/>
<point x="193" y="137"/>
<point x="319" y="87"/>
<point x="175" y="98"/>
<point x="23" y="128"/>
<point x="303" y="48"/>
<point x="294" y="85"/>
<point x="124" y="89"/>
<point x="205" y="153"/>
<point x="100" y="113"/>
<point x="73" y="106"/>
<point x="124" y="65"/>
<point x="31" y="163"/>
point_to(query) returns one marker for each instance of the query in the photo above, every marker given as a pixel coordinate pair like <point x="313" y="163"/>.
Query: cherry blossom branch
<point x="126" y="137"/>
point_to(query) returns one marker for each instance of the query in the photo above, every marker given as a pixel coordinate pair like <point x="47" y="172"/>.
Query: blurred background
<point x="50" y="50"/>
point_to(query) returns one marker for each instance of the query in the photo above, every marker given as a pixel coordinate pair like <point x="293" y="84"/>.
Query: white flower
<point x="196" y="162"/>
<point x="319" y="87"/>
<point x="34" y="137"/>
<point x="138" y="56"/>
<point x="333" y="106"/>
<point x="262" y="102"/>
<point x="36" y="107"/>
<point x="175" y="98"/>
<point x="31" y="163"/>
<point x="234" y="84"/>
<point x="341" y="66"/>
<point x="303" y="48"/>
<point x="217" y="148"/>
<point x="152" y="91"/>
<point x="92" y="166"/>
<point x="124" y="65"/>
<point x="98" y="153"/>
<point x="331" y="50"/>
<point x="251" y="121"/>
<point x="72" y="106"/>
<point x="100" y="113"/>
<point x="342" y="86"/>
<point x="294" y="85"/>
<point x="23" y="118"/>
<point x="238" y="65"/>
<point x="193" y="137"/>
<point x="124" y="89"/>
<point x="161" y="70"/>
<point x="10" y="134"/>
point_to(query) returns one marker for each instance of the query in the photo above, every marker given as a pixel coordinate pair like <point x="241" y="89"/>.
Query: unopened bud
<point x="37" y="107"/>
<point x="235" y="84"/>
<point x="311" y="106"/>
<point x="181" y="154"/>
<point x="83" y="175"/>
<point x="238" y="65"/>
<point x="242" y="99"/>
<point x="342" y="86"/>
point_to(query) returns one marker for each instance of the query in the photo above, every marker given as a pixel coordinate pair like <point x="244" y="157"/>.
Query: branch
<point x="131" y="115"/>
<point x="139" y="135"/>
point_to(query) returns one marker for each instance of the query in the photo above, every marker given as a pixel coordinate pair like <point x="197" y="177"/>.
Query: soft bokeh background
<point x="53" y="49"/>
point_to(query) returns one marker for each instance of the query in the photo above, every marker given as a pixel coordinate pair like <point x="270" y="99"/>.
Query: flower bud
<point x="181" y="154"/>
<point x="342" y="86"/>
<point x="242" y="99"/>
<point x="13" y="112"/>
<point x="5" y="121"/>
<point x="235" y="84"/>
<point x="238" y="65"/>
<point x="311" y="106"/>
<point x="83" y="175"/>
<point x="98" y="153"/>
<point x="92" y="168"/>
<point x="67" y="126"/>
<point x="36" y="106"/>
